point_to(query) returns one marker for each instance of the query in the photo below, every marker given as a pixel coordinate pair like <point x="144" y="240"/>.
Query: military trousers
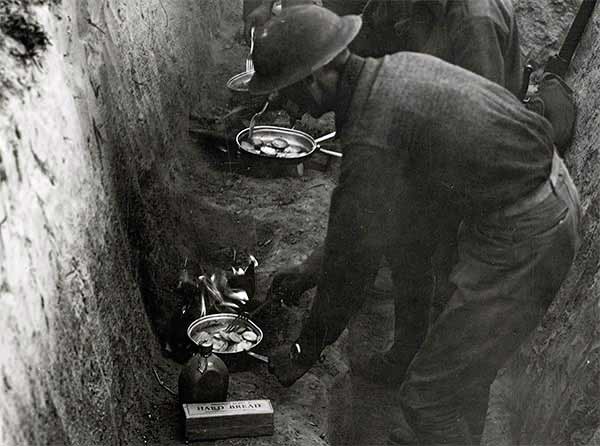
<point x="510" y="266"/>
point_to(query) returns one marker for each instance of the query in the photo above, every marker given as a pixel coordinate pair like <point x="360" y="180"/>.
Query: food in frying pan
<point x="256" y="142"/>
<point x="274" y="148"/>
<point x="293" y="150"/>
<point x="241" y="339"/>
<point x="279" y="143"/>
<point x="248" y="147"/>
<point x="268" y="150"/>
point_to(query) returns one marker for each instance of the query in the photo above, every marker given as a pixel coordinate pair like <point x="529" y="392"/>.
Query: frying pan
<point x="239" y="82"/>
<point x="225" y="319"/>
<point x="238" y="86"/>
<point x="301" y="143"/>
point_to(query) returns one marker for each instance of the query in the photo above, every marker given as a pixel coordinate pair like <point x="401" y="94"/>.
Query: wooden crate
<point x="208" y="421"/>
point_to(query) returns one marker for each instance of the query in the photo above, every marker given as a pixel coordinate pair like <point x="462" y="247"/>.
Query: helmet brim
<point x="350" y="26"/>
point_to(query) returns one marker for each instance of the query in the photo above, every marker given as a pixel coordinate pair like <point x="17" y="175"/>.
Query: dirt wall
<point x="87" y="130"/>
<point x="550" y="394"/>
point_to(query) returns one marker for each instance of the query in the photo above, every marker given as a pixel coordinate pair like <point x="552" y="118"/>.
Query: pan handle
<point x="325" y="151"/>
<point x="262" y="358"/>
<point x="325" y="138"/>
<point x="330" y="152"/>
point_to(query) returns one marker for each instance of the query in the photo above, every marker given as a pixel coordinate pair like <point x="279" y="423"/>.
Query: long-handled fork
<point x="249" y="63"/>
<point x="243" y="316"/>
<point x="240" y="321"/>
<point x="253" y="120"/>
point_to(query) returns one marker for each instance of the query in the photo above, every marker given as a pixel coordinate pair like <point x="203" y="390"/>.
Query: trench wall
<point x="85" y="130"/>
<point x="550" y="393"/>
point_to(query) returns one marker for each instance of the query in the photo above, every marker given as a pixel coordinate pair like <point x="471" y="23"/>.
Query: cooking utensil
<point x="239" y="82"/>
<point x="262" y="358"/>
<point x="225" y="319"/>
<point x="239" y="321"/>
<point x="253" y="120"/>
<point x="238" y="86"/>
<point x="301" y="145"/>
<point x="325" y="151"/>
<point x="249" y="63"/>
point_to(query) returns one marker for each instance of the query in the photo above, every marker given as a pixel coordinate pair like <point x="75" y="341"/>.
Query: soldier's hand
<point x="289" y="363"/>
<point x="288" y="285"/>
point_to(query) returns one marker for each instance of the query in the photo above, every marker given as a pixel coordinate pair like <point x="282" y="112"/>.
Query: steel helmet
<point x="299" y="41"/>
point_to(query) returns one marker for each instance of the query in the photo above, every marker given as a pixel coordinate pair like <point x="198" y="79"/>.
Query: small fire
<point x="224" y="292"/>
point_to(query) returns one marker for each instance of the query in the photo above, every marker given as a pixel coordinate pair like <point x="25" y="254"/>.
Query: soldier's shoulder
<point x="500" y="12"/>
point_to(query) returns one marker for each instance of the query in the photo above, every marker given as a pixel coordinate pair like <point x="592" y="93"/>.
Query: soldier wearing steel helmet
<point x="422" y="138"/>
<point x="478" y="35"/>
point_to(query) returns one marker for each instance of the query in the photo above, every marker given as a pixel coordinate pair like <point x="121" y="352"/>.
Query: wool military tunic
<point x="479" y="35"/>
